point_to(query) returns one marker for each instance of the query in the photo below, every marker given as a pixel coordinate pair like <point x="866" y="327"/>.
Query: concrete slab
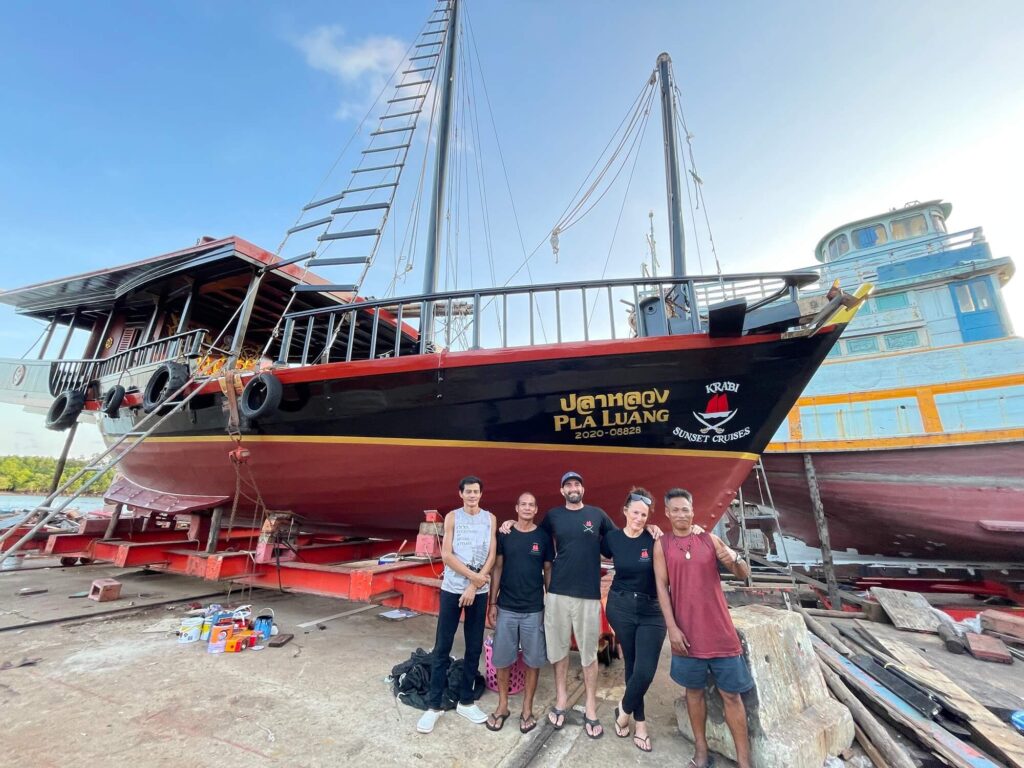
<point x="107" y="692"/>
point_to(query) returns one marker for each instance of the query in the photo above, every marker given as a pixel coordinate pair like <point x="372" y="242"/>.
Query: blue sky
<point x="131" y="129"/>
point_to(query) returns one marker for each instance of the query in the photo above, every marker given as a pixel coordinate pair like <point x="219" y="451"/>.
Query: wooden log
<point x="869" y="749"/>
<point x="989" y="731"/>
<point x="953" y="642"/>
<point x="888" y="753"/>
<point x="825" y="633"/>
<point x="836" y="614"/>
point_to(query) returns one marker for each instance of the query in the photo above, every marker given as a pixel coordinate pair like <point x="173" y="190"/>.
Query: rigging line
<point x="630" y="113"/>
<point x="691" y="176"/>
<point x="501" y="158"/>
<point x="580" y="215"/>
<point x="357" y="132"/>
<point x="576" y="215"/>
<point x="276" y="330"/>
<point x="41" y="334"/>
<point x="635" y="151"/>
<point x="700" y="186"/>
<point x="691" y="212"/>
<point x="481" y="178"/>
<point x="412" y="229"/>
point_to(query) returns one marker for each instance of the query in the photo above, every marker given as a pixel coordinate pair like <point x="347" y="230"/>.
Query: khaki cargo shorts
<point x="566" y="616"/>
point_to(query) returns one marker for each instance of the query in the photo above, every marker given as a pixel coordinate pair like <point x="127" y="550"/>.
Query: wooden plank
<point x="1003" y="622"/>
<point x="849" y="597"/>
<point x="990" y="731"/>
<point x="952" y="750"/>
<point x="988" y="648"/>
<point x="836" y="614"/>
<point x="907" y="610"/>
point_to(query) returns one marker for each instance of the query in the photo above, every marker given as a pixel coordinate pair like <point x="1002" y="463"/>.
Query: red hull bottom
<point x="961" y="503"/>
<point x="382" y="488"/>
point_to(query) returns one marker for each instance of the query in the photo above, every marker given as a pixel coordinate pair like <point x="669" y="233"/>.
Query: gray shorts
<point x="514" y="630"/>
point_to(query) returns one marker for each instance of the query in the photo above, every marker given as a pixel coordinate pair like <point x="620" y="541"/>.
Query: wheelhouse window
<point x="902" y="340"/>
<point x="891" y="301"/>
<point x="938" y="223"/>
<point x="982" y="295"/>
<point x="910" y="226"/>
<point x="872" y="235"/>
<point x="862" y="346"/>
<point x="838" y="246"/>
<point x="964" y="299"/>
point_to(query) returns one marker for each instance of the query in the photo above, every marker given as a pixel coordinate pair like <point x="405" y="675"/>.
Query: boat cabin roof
<point x="221" y="269"/>
<point x="874" y="231"/>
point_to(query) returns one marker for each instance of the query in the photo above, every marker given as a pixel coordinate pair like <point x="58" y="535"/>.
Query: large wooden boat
<point x="915" y="422"/>
<point x="358" y="414"/>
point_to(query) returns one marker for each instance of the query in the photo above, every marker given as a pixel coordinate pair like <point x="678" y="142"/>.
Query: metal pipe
<point x="67" y="339"/>
<point x="677" y="240"/>
<point x="436" y="213"/>
<point x="243" y="318"/>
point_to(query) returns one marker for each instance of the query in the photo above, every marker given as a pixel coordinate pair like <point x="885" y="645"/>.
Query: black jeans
<point x="640" y="630"/>
<point x="472" y="631"/>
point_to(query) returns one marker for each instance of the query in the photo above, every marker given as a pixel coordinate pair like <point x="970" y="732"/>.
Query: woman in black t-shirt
<point x="633" y="611"/>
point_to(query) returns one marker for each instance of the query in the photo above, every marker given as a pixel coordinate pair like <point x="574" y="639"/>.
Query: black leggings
<point x="640" y="630"/>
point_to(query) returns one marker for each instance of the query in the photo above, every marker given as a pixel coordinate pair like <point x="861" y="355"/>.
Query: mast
<point x="677" y="240"/>
<point x="440" y="174"/>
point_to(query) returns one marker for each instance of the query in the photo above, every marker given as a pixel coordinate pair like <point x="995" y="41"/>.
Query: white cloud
<point x="362" y="67"/>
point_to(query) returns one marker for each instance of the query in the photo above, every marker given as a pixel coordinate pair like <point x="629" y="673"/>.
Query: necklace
<point x="689" y="542"/>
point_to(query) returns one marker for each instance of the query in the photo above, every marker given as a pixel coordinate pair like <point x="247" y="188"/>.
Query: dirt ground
<point x="107" y="692"/>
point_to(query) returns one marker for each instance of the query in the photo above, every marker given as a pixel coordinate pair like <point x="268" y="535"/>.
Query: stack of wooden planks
<point x="886" y="683"/>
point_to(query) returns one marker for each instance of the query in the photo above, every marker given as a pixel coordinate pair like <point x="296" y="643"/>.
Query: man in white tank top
<point x="468" y="552"/>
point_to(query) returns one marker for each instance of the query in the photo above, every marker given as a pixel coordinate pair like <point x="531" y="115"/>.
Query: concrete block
<point x="103" y="590"/>
<point x="792" y="719"/>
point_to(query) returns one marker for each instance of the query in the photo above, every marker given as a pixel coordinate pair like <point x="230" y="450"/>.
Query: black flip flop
<point x="645" y="741"/>
<point x="619" y="733"/>
<point x="523" y="727"/>
<point x="589" y="725"/>
<point x="499" y="721"/>
<point x="558" y="713"/>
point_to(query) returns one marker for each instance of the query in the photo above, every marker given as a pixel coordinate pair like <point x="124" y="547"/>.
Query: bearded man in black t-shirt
<point x="573" y="603"/>
<point x="521" y="572"/>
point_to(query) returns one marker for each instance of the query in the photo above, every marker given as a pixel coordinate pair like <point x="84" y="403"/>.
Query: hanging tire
<point x="111" y="404"/>
<point x="64" y="410"/>
<point x="261" y="396"/>
<point x="165" y="381"/>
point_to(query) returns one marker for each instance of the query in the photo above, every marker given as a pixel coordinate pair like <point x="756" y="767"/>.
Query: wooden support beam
<point x="822" y="525"/>
<point x="824" y="632"/>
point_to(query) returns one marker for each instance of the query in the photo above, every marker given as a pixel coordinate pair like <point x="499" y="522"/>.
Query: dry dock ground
<point x="107" y="692"/>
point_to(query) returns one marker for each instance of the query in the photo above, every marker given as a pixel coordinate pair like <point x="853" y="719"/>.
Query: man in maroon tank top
<point x="700" y="628"/>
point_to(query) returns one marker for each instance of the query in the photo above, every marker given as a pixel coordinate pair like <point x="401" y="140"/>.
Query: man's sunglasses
<point x="639" y="497"/>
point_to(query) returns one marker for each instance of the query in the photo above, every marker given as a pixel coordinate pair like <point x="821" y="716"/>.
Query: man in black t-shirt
<point x="573" y="603"/>
<point x="521" y="573"/>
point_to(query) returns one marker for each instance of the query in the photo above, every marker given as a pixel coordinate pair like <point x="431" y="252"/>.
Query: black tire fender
<point x="65" y="410"/>
<point x="111" y="404"/>
<point x="261" y="396"/>
<point x="167" y="379"/>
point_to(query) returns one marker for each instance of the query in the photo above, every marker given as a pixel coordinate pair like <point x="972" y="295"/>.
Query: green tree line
<point x="34" y="474"/>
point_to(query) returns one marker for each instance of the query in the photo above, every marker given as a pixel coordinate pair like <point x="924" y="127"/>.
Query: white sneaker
<point x="472" y="712"/>
<point x="428" y="720"/>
